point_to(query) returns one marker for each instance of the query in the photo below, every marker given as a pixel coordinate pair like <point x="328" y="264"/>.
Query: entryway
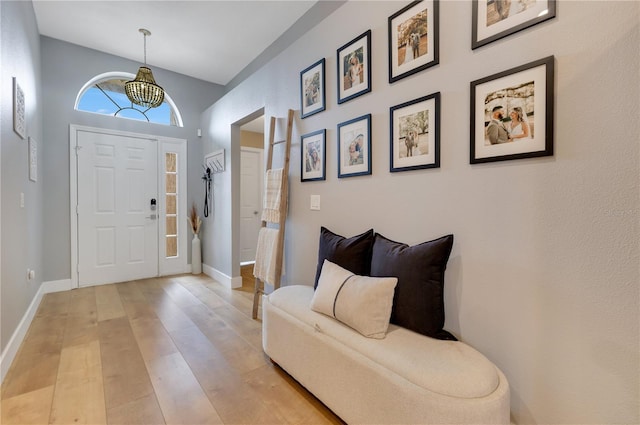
<point x="251" y="187"/>
<point x="128" y="206"/>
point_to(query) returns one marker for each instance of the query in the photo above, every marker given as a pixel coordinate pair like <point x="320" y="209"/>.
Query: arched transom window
<point x="104" y="94"/>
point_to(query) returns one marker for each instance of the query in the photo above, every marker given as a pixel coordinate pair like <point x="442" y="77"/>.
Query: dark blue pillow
<point x="418" y="302"/>
<point x="353" y="254"/>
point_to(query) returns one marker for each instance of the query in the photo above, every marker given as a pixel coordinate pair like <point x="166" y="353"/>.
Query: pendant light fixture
<point x="143" y="90"/>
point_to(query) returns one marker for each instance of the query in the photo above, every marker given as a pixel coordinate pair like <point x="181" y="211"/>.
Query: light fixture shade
<point x="143" y="90"/>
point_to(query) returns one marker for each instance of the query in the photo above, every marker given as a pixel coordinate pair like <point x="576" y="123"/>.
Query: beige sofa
<point x="405" y="378"/>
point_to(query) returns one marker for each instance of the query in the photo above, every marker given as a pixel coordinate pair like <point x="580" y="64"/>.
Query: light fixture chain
<point x="145" y="49"/>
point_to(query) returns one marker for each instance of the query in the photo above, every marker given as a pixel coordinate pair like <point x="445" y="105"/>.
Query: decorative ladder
<point x="259" y="284"/>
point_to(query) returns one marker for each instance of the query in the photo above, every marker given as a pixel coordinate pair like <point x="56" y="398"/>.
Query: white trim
<point x="56" y="286"/>
<point x="10" y="351"/>
<point x="118" y="74"/>
<point x="228" y="281"/>
<point x="73" y="187"/>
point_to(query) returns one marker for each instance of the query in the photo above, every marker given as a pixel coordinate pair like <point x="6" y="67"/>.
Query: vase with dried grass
<point x="196" y="254"/>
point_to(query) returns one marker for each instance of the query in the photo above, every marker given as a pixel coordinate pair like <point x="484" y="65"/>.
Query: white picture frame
<point x="19" y="110"/>
<point x="33" y="160"/>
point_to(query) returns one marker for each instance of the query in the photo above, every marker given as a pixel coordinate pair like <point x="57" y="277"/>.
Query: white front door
<point x="251" y="180"/>
<point x="117" y="224"/>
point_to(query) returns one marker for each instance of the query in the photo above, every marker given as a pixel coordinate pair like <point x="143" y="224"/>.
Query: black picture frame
<point x="414" y="39"/>
<point x="526" y="95"/>
<point x="491" y="21"/>
<point x="354" y="147"/>
<point x="313" y="154"/>
<point x="312" y="89"/>
<point x="414" y="128"/>
<point x="354" y="68"/>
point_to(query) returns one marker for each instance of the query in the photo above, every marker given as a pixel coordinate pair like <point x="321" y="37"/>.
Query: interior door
<point x="251" y="180"/>
<point x="117" y="220"/>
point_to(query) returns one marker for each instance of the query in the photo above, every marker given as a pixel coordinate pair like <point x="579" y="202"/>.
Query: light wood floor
<point x="177" y="350"/>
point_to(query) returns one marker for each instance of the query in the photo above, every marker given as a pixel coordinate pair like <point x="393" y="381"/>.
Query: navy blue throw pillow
<point x="418" y="302"/>
<point x="353" y="254"/>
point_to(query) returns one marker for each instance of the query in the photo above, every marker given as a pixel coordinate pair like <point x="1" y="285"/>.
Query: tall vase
<point x="196" y="255"/>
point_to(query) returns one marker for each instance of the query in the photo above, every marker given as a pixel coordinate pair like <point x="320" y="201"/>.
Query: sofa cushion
<point x="418" y="302"/>
<point x="449" y="368"/>
<point x="353" y="254"/>
<point x="361" y="302"/>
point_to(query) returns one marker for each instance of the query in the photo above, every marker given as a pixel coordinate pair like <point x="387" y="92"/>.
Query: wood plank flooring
<point x="174" y="350"/>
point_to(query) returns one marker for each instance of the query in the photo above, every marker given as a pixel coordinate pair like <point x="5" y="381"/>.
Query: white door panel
<point x="117" y="231"/>
<point x="251" y="181"/>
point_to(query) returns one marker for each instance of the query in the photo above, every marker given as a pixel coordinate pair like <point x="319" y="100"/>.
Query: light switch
<point x="21" y="199"/>
<point x="315" y="202"/>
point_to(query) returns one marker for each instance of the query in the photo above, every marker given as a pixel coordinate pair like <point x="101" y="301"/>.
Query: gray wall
<point x="65" y="69"/>
<point x="22" y="230"/>
<point x="543" y="278"/>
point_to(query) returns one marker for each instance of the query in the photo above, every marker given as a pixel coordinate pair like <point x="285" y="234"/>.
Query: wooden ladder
<point x="259" y="284"/>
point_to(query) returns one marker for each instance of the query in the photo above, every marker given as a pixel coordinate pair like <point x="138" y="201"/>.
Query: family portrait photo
<point x="512" y="113"/>
<point x="509" y="114"/>
<point x="495" y="19"/>
<point x="354" y="147"/>
<point x="354" y="68"/>
<point x="312" y="94"/>
<point x="415" y="134"/>
<point x="313" y="156"/>
<point x="413" y="39"/>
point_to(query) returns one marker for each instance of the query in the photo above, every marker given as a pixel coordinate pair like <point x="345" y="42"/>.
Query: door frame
<point x="162" y="143"/>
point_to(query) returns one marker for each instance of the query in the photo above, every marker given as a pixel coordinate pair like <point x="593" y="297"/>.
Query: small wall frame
<point x="354" y="147"/>
<point x="312" y="90"/>
<point x="354" y="68"/>
<point x="413" y="39"/>
<point x="313" y="147"/>
<point x="415" y="134"/>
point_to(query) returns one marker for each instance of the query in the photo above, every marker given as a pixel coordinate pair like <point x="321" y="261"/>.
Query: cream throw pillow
<point x="360" y="302"/>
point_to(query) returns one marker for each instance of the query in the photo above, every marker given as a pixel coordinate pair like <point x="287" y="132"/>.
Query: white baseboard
<point x="228" y="281"/>
<point x="10" y="351"/>
<point x="56" y="286"/>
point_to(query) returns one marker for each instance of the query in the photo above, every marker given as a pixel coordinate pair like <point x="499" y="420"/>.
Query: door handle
<point x="152" y="216"/>
<point x="255" y="213"/>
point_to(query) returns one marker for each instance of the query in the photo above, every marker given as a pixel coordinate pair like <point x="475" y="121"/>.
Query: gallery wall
<point x="543" y="277"/>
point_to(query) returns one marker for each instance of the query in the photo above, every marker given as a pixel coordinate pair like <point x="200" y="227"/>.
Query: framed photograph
<point x="495" y="19"/>
<point x="413" y="39"/>
<point x="19" y="110"/>
<point x="33" y="160"/>
<point x="415" y="134"/>
<point x="354" y="68"/>
<point x="512" y="113"/>
<point x="312" y="95"/>
<point x="314" y="148"/>
<point x="354" y="147"/>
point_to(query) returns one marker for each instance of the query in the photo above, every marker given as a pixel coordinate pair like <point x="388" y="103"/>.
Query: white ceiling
<point x="206" y="39"/>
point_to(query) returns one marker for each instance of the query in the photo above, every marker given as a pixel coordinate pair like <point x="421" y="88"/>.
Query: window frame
<point x="129" y="76"/>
